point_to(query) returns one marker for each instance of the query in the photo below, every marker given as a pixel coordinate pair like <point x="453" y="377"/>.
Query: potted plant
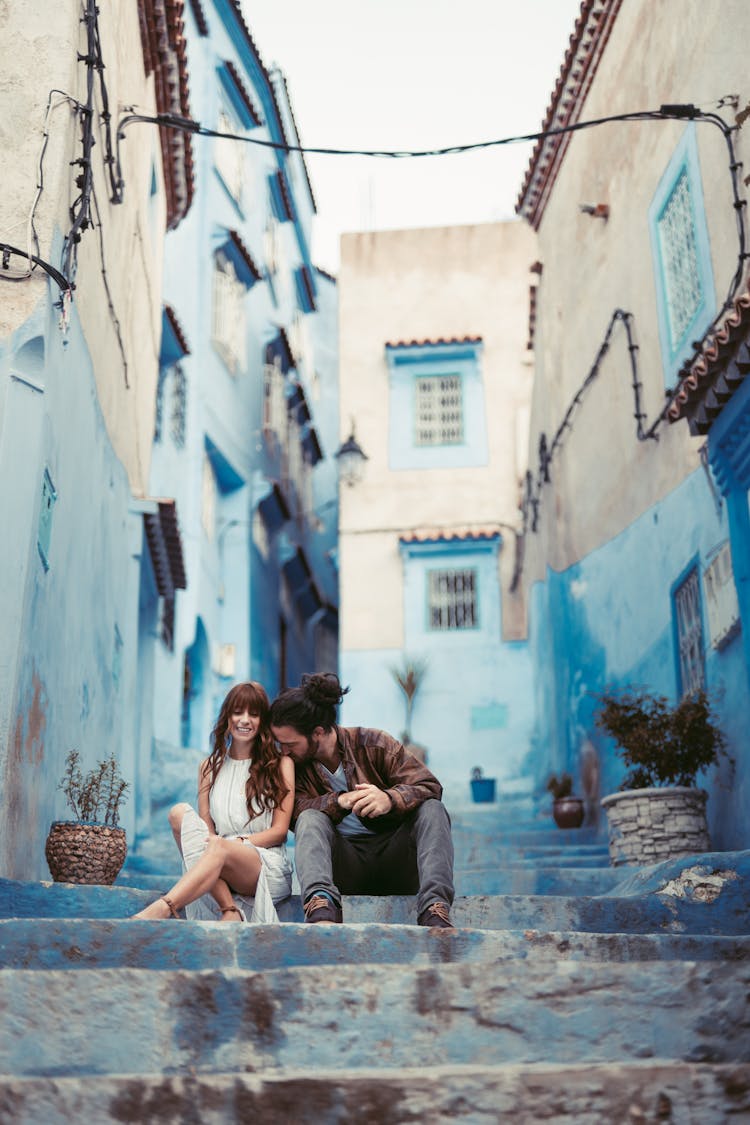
<point x="482" y="788"/>
<point x="409" y="678"/>
<point x="659" y="811"/>
<point x="88" y="849"/>
<point x="567" y="809"/>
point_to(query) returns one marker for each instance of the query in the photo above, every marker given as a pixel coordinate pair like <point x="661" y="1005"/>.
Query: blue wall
<point x="607" y="623"/>
<point x="475" y="706"/>
<point x="69" y="638"/>
<point x="237" y="594"/>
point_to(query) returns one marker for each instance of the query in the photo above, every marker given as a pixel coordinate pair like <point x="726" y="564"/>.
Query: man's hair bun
<point x="323" y="688"/>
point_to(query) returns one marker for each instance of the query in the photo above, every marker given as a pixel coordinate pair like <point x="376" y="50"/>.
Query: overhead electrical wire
<point x="666" y="112"/>
<point x="534" y="483"/>
<point x="172" y="121"/>
<point x="186" y="124"/>
<point x="97" y="223"/>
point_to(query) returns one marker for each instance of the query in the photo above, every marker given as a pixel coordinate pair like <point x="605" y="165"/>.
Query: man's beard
<point x="311" y="751"/>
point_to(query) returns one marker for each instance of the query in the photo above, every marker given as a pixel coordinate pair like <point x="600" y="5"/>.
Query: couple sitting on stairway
<point x="366" y="814"/>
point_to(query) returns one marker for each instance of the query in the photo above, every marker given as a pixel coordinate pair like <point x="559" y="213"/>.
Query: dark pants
<point x="415" y="858"/>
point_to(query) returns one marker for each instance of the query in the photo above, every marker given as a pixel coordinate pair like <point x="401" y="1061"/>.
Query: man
<point x="367" y="816"/>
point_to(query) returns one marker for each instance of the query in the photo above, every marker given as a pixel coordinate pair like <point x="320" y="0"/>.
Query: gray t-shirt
<point x="351" y="825"/>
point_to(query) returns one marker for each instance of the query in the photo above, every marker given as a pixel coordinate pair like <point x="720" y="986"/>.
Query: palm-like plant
<point x="409" y="677"/>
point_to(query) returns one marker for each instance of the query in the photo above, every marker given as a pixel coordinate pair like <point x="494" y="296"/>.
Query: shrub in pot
<point x="567" y="809"/>
<point x="659" y="811"/>
<point x="91" y="848"/>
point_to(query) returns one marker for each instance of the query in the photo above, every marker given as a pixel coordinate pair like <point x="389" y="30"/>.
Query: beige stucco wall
<point x="427" y="284"/>
<point x="40" y="46"/>
<point x="603" y="478"/>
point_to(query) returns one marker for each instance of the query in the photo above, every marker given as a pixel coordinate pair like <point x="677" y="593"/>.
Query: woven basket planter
<point x="85" y="853"/>
<point x="650" y="825"/>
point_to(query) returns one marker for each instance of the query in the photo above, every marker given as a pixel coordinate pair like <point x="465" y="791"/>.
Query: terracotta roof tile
<point x="448" y="534"/>
<point x="242" y="91"/>
<point x="712" y="377"/>
<point x="236" y="8"/>
<point x="200" y="17"/>
<point x="282" y="77"/>
<point x="165" y="54"/>
<point x="245" y="254"/>
<point x="437" y="342"/>
<point x="590" y="35"/>
<point x="165" y="548"/>
<point x="177" y="328"/>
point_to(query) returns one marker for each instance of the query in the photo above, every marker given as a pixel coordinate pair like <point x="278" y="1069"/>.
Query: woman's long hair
<point x="312" y="704"/>
<point x="265" y="788"/>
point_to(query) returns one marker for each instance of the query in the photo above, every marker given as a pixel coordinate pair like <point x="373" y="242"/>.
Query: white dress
<point x="228" y="809"/>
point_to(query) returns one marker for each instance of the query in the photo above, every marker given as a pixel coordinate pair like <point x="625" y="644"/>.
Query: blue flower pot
<point x="483" y="790"/>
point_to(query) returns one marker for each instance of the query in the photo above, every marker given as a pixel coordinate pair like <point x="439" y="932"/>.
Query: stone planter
<point x="78" y="852"/>
<point x="649" y="825"/>
<point x="568" y="812"/>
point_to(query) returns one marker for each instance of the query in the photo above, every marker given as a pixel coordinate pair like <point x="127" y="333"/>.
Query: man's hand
<point x="368" y="800"/>
<point x="346" y="800"/>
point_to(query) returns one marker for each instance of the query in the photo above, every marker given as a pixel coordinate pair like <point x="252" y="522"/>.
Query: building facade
<point x="246" y="415"/>
<point x="435" y="383"/>
<point x="635" y="530"/>
<point x="80" y="324"/>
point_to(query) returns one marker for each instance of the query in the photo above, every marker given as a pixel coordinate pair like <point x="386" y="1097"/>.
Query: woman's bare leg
<point x="228" y="860"/>
<point x="225" y="900"/>
<point x="220" y="890"/>
<point x="175" y="817"/>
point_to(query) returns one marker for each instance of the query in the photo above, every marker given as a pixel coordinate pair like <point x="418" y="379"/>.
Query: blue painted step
<point x="84" y="943"/>
<point x="135" y="1021"/>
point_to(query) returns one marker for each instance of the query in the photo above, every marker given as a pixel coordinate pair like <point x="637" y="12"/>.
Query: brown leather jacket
<point x="374" y="757"/>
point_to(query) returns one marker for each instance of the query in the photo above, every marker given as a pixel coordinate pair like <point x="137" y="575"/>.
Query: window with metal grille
<point x="209" y="491"/>
<point x="228" y="156"/>
<point x="439" y="410"/>
<point x="721" y="597"/>
<point x="689" y="623"/>
<point x="179" y="406"/>
<point x="452" y="599"/>
<point x="274" y="403"/>
<point x="173" y="384"/>
<point x="298" y="474"/>
<point x="229" y="314"/>
<point x="167" y="622"/>
<point x="679" y="255"/>
<point x="684" y="285"/>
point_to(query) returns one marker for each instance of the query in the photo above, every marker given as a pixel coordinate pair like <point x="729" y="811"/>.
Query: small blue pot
<point x="483" y="790"/>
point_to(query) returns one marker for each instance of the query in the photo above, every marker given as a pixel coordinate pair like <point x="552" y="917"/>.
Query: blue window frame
<point x="436" y="406"/>
<point x="685" y="294"/>
<point x="451" y="589"/>
<point x="690" y="646"/>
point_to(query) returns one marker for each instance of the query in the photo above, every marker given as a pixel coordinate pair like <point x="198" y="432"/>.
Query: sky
<point x="413" y="74"/>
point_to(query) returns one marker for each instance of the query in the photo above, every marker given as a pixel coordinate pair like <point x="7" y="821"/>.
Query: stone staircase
<point x="571" y="992"/>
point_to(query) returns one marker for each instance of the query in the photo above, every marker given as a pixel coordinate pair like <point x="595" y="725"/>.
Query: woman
<point x="234" y="845"/>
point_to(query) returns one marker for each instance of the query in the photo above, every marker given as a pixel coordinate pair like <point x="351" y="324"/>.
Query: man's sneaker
<point x="436" y="915"/>
<point x="320" y="908"/>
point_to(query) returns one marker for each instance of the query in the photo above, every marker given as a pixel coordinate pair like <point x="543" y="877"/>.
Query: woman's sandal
<point x="170" y="904"/>
<point x="233" y="910"/>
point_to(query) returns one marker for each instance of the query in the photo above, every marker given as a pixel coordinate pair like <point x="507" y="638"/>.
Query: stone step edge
<point x="74" y="944"/>
<point x="654" y="1089"/>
